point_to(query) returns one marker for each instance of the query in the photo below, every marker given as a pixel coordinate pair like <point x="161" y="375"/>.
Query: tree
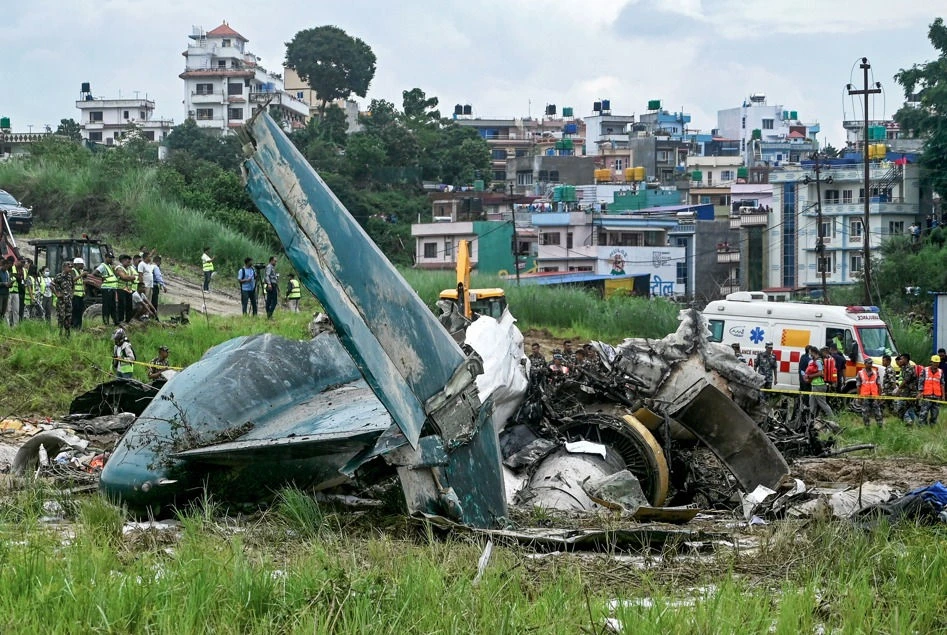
<point x="830" y="152"/>
<point x="925" y="114"/>
<point x="332" y="62"/>
<point x="419" y="109"/>
<point x="224" y="150"/>
<point x="70" y="129"/>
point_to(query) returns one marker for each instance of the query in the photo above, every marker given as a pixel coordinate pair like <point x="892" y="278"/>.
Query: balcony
<point x="210" y="123"/>
<point x="747" y="218"/>
<point x="206" y="98"/>
<point x="727" y="255"/>
<point x="729" y="286"/>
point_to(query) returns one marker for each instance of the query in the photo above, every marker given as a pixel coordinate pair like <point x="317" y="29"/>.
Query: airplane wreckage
<point x="468" y="430"/>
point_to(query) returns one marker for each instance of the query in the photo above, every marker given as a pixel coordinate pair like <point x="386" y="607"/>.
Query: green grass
<point x="262" y="577"/>
<point x="44" y="372"/>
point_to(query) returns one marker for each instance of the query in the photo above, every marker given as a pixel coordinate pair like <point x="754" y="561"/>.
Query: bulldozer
<point x="472" y="303"/>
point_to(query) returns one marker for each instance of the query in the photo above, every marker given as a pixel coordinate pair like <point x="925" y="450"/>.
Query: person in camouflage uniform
<point x="906" y="408"/>
<point x="536" y="358"/>
<point x="568" y="355"/>
<point x="63" y="286"/>
<point x="766" y="365"/>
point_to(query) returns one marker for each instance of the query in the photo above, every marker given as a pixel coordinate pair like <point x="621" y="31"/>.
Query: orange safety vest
<point x="932" y="383"/>
<point x="868" y="385"/>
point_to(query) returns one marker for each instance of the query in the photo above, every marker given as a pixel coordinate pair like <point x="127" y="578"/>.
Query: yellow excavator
<point x="472" y="303"/>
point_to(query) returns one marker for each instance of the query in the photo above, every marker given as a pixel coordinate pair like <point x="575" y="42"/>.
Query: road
<point x="217" y="301"/>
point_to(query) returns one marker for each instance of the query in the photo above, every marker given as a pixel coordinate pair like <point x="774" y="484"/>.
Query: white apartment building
<point x="792" y="235"/>
<point x="299" y="89"/>
<point x="111" y="121"/>
<point x="224" y="83"/>
<point x="767" y="134"/>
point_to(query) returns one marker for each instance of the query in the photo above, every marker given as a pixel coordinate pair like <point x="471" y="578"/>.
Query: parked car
<point x="19" y="216"/>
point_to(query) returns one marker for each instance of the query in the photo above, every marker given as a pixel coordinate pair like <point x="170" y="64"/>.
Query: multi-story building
<point x="519" y="138"/>
<point x="111" y="121"/>
<point x="795" y="258"/>
<point x="224" y="83"/>
<point x="606" y="138"/>
<point x="769" y="135"/>
<point x="711" y="179"/>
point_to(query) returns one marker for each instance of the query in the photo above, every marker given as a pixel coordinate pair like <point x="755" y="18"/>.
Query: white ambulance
<point x="747" y="319"/>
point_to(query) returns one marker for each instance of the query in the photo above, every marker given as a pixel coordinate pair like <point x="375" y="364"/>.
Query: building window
<point x="767" y="124"/>
<point x="619" y="164"/>
<point x="549" y="238"/>
<point x="204" y="114"/>
<point x="831" y="197"/>
<point x="856" y="263"/>
<point x="828" y="228"/>
<point x="499" y="175"/>
<point x="430" y="250"/>
<point x="568" y="240"/>
<point x="95" y="135"/>
<point x="827" y="263"/>
<point x="204" y="89"/>
<point x="710" y="177"/>
<point x="521" y="152"/>
<point x="743" y="123"/>
<point x="553" y="176"/>
<point x="682" y="242"/>
<point x="225" y="43"/>
<point x="524" y="178"/>
<point x="124" y="114"/>
<point x="726" y="175"/>
<point x="662" y="156"/>
<point x="498" y="154"/>
<point x="846" y="196"/>
<point x="548" y="269"/>
<point x="855" y="230"/>
<point x="221" y="63"/>
<point x="95" y="115"/>
<point x="235" y="113"/>
<point x="682" y="273"/>
<point x="896" y="227"/>
<point x="235" y="88"/>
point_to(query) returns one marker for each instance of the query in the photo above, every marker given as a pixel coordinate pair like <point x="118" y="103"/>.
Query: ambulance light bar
<point x="862" y="309"/>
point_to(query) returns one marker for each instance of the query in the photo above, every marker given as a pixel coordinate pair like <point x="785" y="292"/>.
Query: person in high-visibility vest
<point x="16" y="281"/>
<point x="78" y="292"/>
<point x="106" y="271"/>
<point x="207" y="265"/>
<point x="123" y="355"/>
<point x="868" y="383"/>
<point x="293" y="293"/>
<point x="126" y="278"/>
<point x="29" y="282"/>
<point x="930" y="390"/>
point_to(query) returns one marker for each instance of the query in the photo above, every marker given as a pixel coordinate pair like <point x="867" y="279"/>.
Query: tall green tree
<point x="332" y="62"/>
<point x="925" y="114"/>
<point x="70" y="129"/>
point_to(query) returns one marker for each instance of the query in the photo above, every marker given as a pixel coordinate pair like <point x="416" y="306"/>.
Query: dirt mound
<point x="902" y="473"/>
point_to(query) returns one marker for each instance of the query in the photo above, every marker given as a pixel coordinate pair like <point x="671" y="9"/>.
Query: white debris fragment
<point x="587" y="447"/>
<point x="483" y="562"/>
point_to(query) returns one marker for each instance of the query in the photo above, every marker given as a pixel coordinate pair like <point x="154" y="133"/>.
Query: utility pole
<point x="516" y="243"/>
<point x="820" y="246"/>
<point x="865" y="66"/>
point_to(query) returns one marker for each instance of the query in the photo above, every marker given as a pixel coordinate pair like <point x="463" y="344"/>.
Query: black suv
<point x="19" y="217"/>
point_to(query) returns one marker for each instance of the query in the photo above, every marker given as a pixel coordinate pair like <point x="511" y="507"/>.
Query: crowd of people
<point x="249" y="279"/>
<point x="129" y="290"/>
<point x="566" y="362"/>
<point x="915" y="390"/>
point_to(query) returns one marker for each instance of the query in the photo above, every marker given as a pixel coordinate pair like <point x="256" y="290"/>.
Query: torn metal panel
<point x="397" y="343"/>
<point x="254" y="414"/>
<point x="113" y="397"/>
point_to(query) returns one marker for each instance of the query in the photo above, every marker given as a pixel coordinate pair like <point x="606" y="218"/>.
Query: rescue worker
<point x="293" y="292"/>
<point x="536" y="358"/>
<point x="157" y="366"/>
<point x="767" y="366"/>
<point x="868" y="386"/>
<point x="78" y="291"/>
<point x="207" y="265"/>
<point x="106" y="271"/>
<point x="558" y="369"/>
<point x="63" y="287"/>
<point x="123" y="355"/>
<point x="804" y="359"/>
<point x="905" y="408"/>
<point x="830" y="372"/>
<point x="16" y="285"/>
<point x="840" y="365"/>
<point x="32" y="288"/>
<point x="889" y="381"/>
<point x="930" y="390"/>
<point x="568" y="355"/>
<point x="815" y="375"/>
<point x="126" y="278"/>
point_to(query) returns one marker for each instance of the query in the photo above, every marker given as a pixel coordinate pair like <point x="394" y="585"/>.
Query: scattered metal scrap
<point x="390" y="391"/>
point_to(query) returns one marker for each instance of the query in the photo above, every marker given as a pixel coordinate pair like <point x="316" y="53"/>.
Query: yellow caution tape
<point x="800" y="393"/>
<point x="148" y="364"/>
<point x="35" y="343"/>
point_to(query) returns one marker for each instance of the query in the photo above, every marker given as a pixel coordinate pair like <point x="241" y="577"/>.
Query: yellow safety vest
<point x="31" y="291"/>
<point x="78" y="287"/>
<point x="15" y="287"/>
<point x="110" y="281"/>
<point x="294" y="291"/>
<point x="208" y="266"/>
<point x="124" y="366"/>
<point x="126" y="285"/>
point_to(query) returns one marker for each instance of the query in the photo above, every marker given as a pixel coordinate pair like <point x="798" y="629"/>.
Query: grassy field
<point x="301" y="568"/>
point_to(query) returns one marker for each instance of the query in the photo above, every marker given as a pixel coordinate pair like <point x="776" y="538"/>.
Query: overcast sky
<point x="504" y="57"/>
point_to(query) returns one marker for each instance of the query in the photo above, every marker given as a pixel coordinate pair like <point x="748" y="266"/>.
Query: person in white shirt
<point x="146" y="274"/>
<point x="141" y="305"/>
